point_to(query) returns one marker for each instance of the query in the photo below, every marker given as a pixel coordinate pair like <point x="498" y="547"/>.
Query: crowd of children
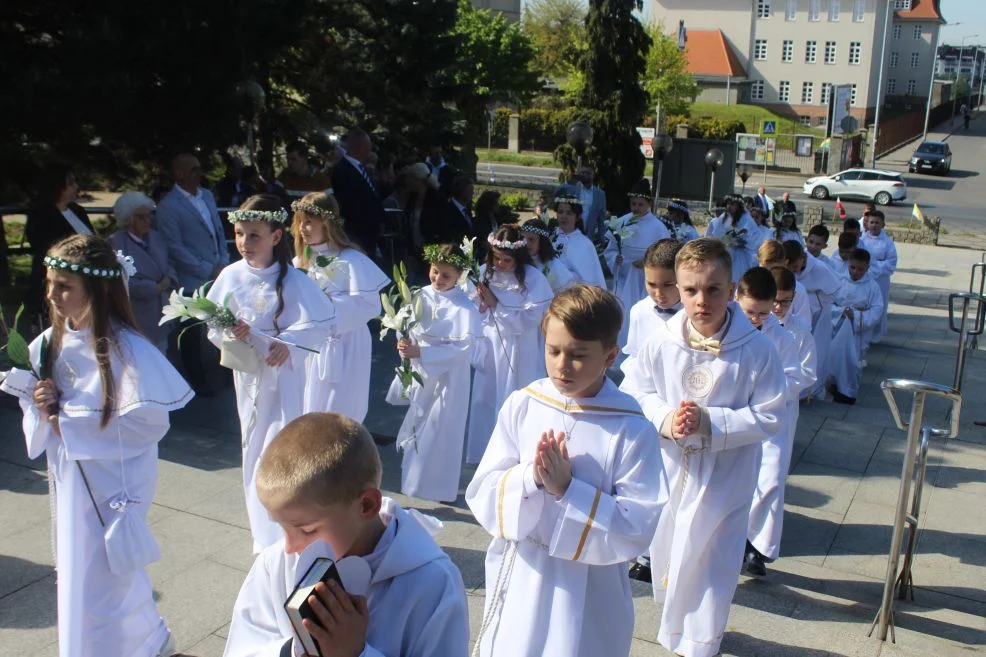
<point x="679" y="469"/>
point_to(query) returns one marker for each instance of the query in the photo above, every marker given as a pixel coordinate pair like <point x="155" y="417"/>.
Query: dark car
<point x="931" y="157"/>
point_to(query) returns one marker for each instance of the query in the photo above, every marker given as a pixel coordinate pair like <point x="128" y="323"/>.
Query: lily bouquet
<point x="734" y="239"/>
<point x="471" y="270"/>
<point x="402" y="308"/>
<point x="621" y="229"/>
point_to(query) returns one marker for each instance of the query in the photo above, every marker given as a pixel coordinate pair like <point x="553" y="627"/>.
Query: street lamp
<point x="958" y="74"/>
<point x="931" y="83"/>
<point x="713" y="160"/>
<point x="879" y="85"/>
<point x="662" y="145"/>
<point x="579" y="136"/>
<point x="744" y="175"/>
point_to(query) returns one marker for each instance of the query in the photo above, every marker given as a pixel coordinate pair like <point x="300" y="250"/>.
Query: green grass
<point x="753" y="116"/>
<point x="525" y="159"/>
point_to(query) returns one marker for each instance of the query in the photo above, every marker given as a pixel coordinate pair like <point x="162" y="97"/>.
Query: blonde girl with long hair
<point x="339" y="376"/>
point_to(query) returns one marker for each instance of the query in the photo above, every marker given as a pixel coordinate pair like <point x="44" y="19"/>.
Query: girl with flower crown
<point x="739" y="232"/>
<point x="96" y="397"/>
<point x="441" y="348"/>
<point x="282" y="315"/>
<point x="544" y="257"/>
<point x="338" y="376"/>
<point x="513" y="296"/>
<point x="575" y="250"/>
<point x="629" y="238"/>
<point x="680" y="221"/>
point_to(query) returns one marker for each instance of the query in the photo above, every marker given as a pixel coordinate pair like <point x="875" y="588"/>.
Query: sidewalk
<point x="817" y="600"/>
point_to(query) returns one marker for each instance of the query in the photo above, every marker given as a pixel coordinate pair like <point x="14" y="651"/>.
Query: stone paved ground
<point x="818" y="599"/>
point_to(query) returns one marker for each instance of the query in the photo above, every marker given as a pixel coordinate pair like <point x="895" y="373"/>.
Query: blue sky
<point x="972" y="16"/>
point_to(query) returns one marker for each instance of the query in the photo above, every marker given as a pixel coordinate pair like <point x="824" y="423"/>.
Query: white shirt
<point x="586" y="195"/>
<point x="77" y="224"/>
<point x="198" y="200"/>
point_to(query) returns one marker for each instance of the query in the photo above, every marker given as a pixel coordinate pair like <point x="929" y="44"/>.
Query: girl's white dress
<point x="511" y="355"/>
<point x="268" y="399"/>
<point x="559" y="274"/>
<point x="579" y="254"/>
<point x="339" y="376"/>
<point x="684" y="232"/>
<point x="742" y="250"/>
<point x="105" y="597"/>
<point x="434" y="429"/>
<point x="785" y="234"/>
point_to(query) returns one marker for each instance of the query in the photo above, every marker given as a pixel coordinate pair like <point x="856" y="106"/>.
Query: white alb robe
<point x="767" y="511"/>
<point x="784" y="234"/>
<point x="883" y="264"/>
<point x="434" y="429"/>
<point x="801" y="307"/>
<point x="838" y="265"/>
<point x="567" y="592"/>
<point x="851" y="339"/>
<point x="339" y="376"/>
<point x="645" y="321"/>
<point x="101" y="610"/>
<point x="744" y="257"/>
<point x="579" y="253"/>
<point x="822" y="286"/>
<point x="511" y="355"/>
<point x="697" y="552"/>
<point x="269" y="399"/>
<point x="629" y="284"/>
<point x="684" y="232"/>
<point x="416" y="599"/>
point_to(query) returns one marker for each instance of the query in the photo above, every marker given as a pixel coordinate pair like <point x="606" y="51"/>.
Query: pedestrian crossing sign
<point x="770" y="127"/>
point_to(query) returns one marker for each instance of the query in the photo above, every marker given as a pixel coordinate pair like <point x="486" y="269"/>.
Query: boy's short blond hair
<point x="320" y="459"/>
<point x="588" y="313"/>
<point x="771" y="252"/>
<point x="701" y="251"/>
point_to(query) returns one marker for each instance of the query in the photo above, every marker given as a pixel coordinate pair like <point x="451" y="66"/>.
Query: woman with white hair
<point x="155" y="277"/>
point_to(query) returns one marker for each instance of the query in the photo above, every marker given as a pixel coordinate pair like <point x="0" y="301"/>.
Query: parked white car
<point x="880" y="187"/>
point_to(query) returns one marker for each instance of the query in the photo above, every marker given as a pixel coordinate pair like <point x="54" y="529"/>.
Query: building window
<point x="787" y="55"/>
<point x="902" y="5"/>
<point x="826" y="92"/>
<point x="756" y="90"/>
<point x="805" y="121"/>
<point x="852" y="97"/>
<point x="835" y="8"/>
<point x="891" y="86"/>
<point x="858" y="10"/>
<point x="814" y="9"/>
<point x="784" y="91"/>
<point x="807" y="92"/>
<point x="918" y="32"/>
<point x="822" y="120"/>
<point x="897" y="30"/>
<point x="912" y="87"/>
<point x="894" y="58"/>
<point x="830" y="52"/>
<point x="915" y="59"/>
<point x="792" y="10"/>
<point x="855" y="50"/>
<point x="760" y="50"/>
<point x="763" y="8"/>
<point x="811" y="52"/>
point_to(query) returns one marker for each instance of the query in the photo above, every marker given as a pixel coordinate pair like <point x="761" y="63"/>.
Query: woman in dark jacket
<point x="55" y="216"/>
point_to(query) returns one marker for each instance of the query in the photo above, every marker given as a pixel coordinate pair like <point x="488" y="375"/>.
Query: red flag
<point x="841" y="208"/>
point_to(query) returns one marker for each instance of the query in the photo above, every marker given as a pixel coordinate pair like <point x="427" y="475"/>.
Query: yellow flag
<point x="917" y="214"/>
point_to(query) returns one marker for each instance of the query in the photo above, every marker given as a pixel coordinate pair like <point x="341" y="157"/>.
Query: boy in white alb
<point x="662" y="300"/>
<point x="716" y="388"/>
<point x="817" y="242"/>
<point x="571" y="487"/>
<point x="320" y="480"/>
<point x="756" y="295"/>
<point x="856" y="313"/>
<point x="839" y="262"/>
<point x="883" y="262"/>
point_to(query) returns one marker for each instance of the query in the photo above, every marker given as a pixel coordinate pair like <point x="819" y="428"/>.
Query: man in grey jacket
<point x="594" y="213"/>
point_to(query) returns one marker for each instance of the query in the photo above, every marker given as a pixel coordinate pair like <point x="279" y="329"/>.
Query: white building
<point x="791" y="51"/>
<point x="509" y="8"/>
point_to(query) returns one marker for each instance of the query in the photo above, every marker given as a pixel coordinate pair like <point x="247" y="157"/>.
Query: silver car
<point x="880" y="187"/>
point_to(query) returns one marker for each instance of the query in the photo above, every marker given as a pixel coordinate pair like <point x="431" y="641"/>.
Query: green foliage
<point x="667" y="80"/>
<point x="557" y="30"/>
<point x="716" y="128"/>
<point x="612" y="98"/>
<point x="961" y="87"/>
<point x="516" y="201"/>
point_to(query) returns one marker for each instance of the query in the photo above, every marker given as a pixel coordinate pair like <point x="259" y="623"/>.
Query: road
<point x="953" y="198"/>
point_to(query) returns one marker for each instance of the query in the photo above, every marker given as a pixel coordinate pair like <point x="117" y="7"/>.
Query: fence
<point x="897" y="130"/>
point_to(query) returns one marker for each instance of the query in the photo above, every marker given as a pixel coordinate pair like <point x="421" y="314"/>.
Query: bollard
<point x="915" y="462"/>
<point x="962" y="327"/>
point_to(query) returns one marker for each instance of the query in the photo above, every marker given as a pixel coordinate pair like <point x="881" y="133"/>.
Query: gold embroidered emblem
<point x="697" y="380"/>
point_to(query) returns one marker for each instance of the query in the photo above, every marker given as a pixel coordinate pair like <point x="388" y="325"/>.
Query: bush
<point x="516" y="201"/>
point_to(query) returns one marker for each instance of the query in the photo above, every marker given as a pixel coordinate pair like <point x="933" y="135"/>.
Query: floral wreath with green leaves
<point x="269" y="216"/>
<point x="434" y="254"/>
<point x="313" y="210"/>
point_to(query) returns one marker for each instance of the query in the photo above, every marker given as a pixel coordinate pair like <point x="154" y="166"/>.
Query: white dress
<point x="565" y="589"/>
<point x="744" y="257"/>
<point x="851" y="339"/>
<point x="784" y="234"/>
<point x="767" y="511"/>
<point x="697" y="552"/>
<point x="434" y="429"/>
<point x="822" y="286"/>
<point x="416" y="597"/>
<point x="511" y="356"/>
<point x="579" y="253"/>
<point x="684" y="232"/>
<point x="104" y="606"/>
<point x="559" y="274"/>
<point x="883" y="264"/>
<point x="339" y="376"/>
<point x="269" y="399"/>
<point x="629" y="284"/>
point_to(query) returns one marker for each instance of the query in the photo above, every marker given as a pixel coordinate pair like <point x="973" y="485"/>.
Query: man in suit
<point x="762" y="202"/>
<point x="359" y="202"/>
<point x="441" y="169"/>
<point x="456" y="220"/>
<point x="188" y="220"/>
<point x="593" y="205"/>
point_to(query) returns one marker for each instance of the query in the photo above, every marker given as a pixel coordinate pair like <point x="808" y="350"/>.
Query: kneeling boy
<point x="320" y="480"/>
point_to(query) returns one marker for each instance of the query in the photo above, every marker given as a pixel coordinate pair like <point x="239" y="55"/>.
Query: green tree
<point x="493" y="64"/>
<point x="557" y="30"/>
<point x="612" y="97"/>
<point x="667" y="80"/>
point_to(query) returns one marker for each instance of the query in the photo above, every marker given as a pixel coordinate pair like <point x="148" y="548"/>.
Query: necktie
<point x="366" y="177"/>
<point x="710" y="345"/>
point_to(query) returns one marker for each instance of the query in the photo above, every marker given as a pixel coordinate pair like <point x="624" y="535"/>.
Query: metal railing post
<point x="963" y="329"/>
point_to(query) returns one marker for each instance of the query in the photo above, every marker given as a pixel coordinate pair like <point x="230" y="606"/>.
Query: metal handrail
<point x="912" y="472"/>
<point x="967" y="336"/>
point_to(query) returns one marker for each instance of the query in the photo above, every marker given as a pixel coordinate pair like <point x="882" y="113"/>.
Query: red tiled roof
<point x="708" y="53"/>
<point x="923" y="9"/>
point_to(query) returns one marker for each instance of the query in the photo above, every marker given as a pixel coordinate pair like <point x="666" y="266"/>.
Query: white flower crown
<point x="314" y="210"/>
<point x="506" y="244"/>
<point x="270" y="216"/>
